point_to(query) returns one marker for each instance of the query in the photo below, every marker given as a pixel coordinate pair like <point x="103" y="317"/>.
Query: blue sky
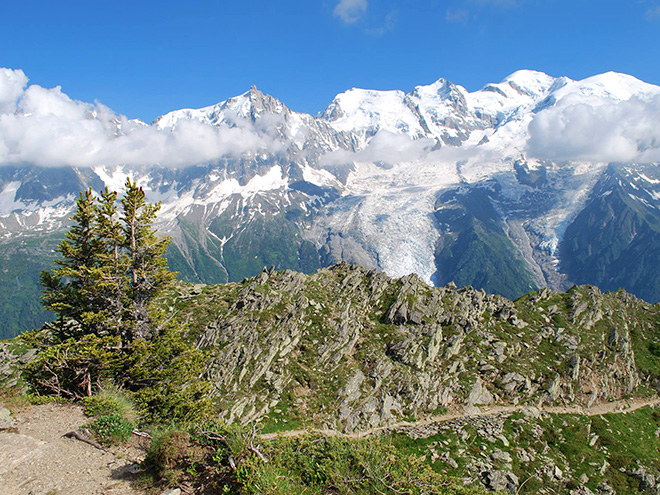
<point x="143" y="58"/>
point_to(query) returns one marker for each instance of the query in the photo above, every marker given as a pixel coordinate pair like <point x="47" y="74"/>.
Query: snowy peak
<point x="439" y="91"/>
<point x="530" y="83"/>
<point x="442" y="111"/>
<point x="367" y="112"/>
<point x="253" y="104"/>
<point x="610" y="85"/>
<point x="519" y="91"/>
<point x="250" y="106"/>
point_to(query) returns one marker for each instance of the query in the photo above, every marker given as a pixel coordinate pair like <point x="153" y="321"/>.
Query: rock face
<point x="6" y="420"/>
<point x="352" y="349"/>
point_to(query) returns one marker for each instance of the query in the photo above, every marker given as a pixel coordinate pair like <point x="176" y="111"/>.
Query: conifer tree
<point x="112" y="265"/>
<point x="147" y="268"/>
<point x="71" y="289"/>
<point x="113" y="262"/>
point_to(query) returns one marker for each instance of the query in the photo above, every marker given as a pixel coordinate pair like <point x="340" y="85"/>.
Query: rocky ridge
<point x="350" y="349"/>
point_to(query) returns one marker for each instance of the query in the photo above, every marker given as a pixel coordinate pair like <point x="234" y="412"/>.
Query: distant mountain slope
<point x="501" y="188"/>
<point x="614" y="241"/>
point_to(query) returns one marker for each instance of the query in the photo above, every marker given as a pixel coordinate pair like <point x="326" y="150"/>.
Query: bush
<point x="174" y="455"/>
<point x="75" y="368"/>
<point x="166" y="374"/>
<point x="112" y="429"/>
<point x="111" y="400"/>
<point x="164" y="377"/>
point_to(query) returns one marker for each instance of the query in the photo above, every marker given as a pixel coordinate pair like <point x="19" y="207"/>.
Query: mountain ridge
<point x="380" y="178"/>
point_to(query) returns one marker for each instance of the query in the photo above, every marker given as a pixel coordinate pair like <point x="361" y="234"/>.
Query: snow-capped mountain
<point x="533" y="181"/>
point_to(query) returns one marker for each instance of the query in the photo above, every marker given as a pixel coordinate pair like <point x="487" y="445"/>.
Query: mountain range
<point x="532" y="182"/>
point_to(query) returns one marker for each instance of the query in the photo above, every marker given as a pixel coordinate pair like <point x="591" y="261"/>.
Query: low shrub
<point x="163" y="377"/>
<point x="324" y="465"/>
<point x="174" y="455"/>
<point x="111" y="400"/>
<point x="75" y="368"/>
<point x="112" y="429"/>
<point x="167" y="377"/>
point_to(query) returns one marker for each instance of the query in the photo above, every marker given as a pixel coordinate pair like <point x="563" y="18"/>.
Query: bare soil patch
<point x="36" y="459"/>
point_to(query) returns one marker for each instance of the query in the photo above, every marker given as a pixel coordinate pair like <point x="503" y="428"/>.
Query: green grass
<point x="111" y="400"/>
<point x="319" y="465"/>
<point x="625" y="442"/>
<point x="282" y="417"/>
<point x="112" y="429"/>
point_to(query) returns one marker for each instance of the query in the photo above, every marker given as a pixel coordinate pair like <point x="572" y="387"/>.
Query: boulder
<point x="500" y="480"/>
<point x="480" y="395"/>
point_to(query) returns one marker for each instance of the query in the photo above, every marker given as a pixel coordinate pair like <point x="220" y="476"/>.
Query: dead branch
<point x="253" y="449"/>
<point x="141" y="434"/>
<point x="80" y="435"/>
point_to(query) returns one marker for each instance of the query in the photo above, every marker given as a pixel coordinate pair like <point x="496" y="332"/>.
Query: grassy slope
<point x="587" y="450"/>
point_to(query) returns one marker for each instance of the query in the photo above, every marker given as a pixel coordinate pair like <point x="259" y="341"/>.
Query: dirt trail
<point x="35" y="459"/>
<point x="616" y="407"/>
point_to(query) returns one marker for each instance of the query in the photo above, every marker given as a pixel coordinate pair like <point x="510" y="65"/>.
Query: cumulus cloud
<point x="45" y="127"/>
<point x="384" y="147"/>
<point x="12" y="83"/>
<point x="391" y="149"/>
<point x="601" y="131"/>
<point x="350" y="11"/>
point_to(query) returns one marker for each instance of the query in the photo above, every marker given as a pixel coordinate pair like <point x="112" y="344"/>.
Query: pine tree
<point x="71" y="290"/>
<point x="147" y="268"/>
<point x="113" y="262"/>
<point x="111" y="266"/>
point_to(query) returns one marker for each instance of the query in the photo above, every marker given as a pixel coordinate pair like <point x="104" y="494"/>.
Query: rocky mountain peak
<point x="253" y="104"/>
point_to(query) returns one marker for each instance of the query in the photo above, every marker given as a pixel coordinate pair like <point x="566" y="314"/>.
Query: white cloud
<point x="45" y="127"/>
<point x="350" y="11"/>
<point x="384" y="147"/>
<point x="12" y="83"/>
<point x="601" y="131"/>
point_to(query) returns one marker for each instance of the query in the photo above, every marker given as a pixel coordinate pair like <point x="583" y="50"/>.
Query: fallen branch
<point x="80" y="435"/>
<point x="141" y="434"/>
<point x="252" y="448"/>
